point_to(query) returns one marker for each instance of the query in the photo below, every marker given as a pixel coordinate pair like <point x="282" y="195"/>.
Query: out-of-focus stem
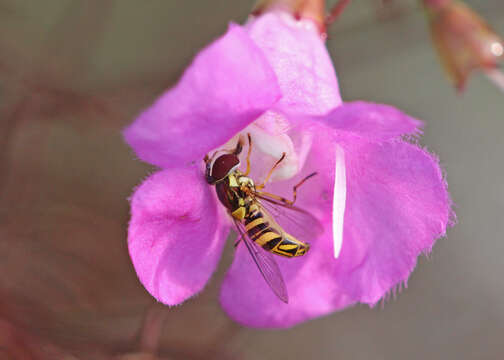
<point x="435" y="4"/>
<point x="303" y="9"/>
<point x="315" y="10"/>
<point x="152" y="329"/>
<point x="336" y="11"/>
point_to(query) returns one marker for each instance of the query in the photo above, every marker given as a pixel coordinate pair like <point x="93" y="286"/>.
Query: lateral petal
<point x="176" y="234"/>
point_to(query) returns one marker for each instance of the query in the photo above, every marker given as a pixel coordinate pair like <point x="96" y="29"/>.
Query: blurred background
<point x="73" y="73"/>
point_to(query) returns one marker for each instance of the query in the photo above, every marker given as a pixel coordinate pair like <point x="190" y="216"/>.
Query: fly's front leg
<point x="261" y="186"/>
<point x="294" y="189"/>
<point x="248" y="154"/>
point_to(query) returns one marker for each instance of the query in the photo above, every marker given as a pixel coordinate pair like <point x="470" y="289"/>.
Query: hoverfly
<point x="250" y="209"/>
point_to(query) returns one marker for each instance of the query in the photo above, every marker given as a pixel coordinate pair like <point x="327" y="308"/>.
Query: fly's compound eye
<point x="221" y="168"/>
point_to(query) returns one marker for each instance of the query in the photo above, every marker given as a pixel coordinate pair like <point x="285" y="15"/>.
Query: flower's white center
<point x="274" y="146"/>
<point x="339" y="200"/>
<point x="270" y="140"/>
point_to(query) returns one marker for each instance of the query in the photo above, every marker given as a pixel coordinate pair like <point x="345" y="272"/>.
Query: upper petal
<point x="175" y="235"/>
<point x="376" y="122"/>
<point x="297" y="53"/>
<point x="229" y="84"/>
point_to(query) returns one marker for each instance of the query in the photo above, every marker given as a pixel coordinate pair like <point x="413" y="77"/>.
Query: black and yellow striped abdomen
<point x="274" y="240"/>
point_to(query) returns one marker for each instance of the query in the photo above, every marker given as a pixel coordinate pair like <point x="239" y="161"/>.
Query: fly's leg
<point x="239" y="239"/>
<point x="276" y="197"/>
<point x="248" y="154"/>
<point x="294" y="189"/>
<point x="241" y="234"/>
<point x="261" y="186"/>
<point x="294" y="192"/>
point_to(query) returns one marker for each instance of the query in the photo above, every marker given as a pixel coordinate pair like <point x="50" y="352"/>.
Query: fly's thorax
<point x="245" y="182"/>
<point x="228" y="192"/>
<point x="232" y="180"/>
<point x="231" y="194"/>
<point x="237" y="180"/>
<point x="224" y="194"/>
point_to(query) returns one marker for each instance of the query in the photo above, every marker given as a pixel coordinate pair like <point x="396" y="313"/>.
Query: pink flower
<point x="382" y="200"/>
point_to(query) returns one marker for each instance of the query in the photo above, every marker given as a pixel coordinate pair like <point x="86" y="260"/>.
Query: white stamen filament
<point x="339" y="200"/>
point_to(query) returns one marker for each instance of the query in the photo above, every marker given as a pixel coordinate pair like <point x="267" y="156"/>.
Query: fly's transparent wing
<point x="266" y="264"/>
<point x="292" y="219"/>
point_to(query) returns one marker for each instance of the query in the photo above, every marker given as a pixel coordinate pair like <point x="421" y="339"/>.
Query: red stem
<point x="436" y="4"/>
<point x="336" y="11"/>
<point x="152" y="328"/>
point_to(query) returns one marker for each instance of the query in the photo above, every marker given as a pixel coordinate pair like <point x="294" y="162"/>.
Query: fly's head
<point x="221" y="168"/>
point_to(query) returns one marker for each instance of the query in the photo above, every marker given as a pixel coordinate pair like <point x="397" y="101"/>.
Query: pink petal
<point x="373" y="121"/>
<point x="175" y="235"/>
<point x="312" y="290"/>
<point x="397" y="205"/>
<point x="228" y="85"/>
<point x="301" y="62"/>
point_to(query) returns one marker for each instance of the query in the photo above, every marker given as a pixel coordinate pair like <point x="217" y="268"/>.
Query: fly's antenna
<point x="239" y="146"/>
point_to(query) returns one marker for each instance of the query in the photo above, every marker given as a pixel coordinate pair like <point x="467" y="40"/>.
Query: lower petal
<point x="247" y="299"/>
<point x="397" y="205"/>
<point x="176" y="234"/>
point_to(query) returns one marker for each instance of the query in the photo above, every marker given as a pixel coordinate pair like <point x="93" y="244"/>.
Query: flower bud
<point x="463" y="39"/>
